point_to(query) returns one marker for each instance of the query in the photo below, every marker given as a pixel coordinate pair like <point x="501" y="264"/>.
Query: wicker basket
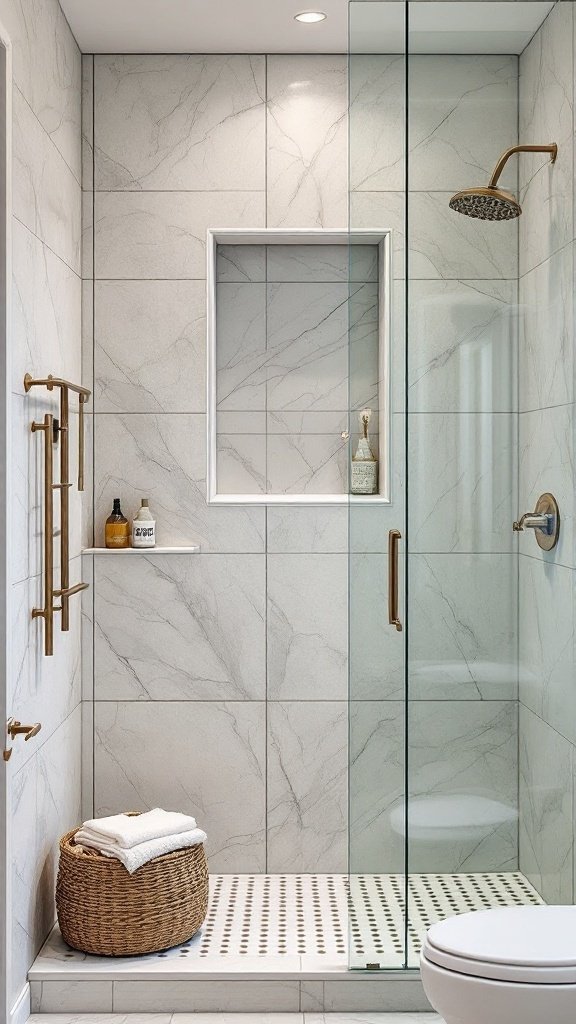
<point x="104" y="910"/>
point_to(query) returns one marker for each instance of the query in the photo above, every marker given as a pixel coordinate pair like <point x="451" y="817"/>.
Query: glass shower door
<point x="377" y="714"/>
<point x="461" y="466"/>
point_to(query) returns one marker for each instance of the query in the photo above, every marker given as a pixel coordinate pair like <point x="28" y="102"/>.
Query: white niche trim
<point x="291" y="236"/>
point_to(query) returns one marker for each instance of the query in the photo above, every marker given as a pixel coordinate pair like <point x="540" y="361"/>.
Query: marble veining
<point x="149" y="346"/>
<point x="205" y="628"/>
<point x="209" y="106"/>
<point x="306" y="153"/>
<point x="546" y="811"/>
<point x="213" y="768"/>
<point x="307" y="823"/>
<point x="307" y="631"/>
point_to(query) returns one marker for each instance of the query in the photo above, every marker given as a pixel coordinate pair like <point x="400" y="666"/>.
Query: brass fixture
<point x="492" y="203"/>
<point x="58" y="430"/>
<point x="14" y="729"/>
<point x="393" y="537"/>
<point x="544" y="520"/>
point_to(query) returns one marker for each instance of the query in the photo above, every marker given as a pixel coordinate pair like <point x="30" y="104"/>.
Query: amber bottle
<point x="117" y="530"/>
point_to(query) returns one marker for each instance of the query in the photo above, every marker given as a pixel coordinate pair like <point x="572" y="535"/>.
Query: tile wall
<point x="546" y="445"/>
<point x="46" y="332"/>
<point x="220" y="681"/>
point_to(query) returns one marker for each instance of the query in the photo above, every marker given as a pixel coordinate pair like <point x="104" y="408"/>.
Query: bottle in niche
<point x="117" y="529"/>
<point x="364" y="472"/>
<point x="144" y="527"/>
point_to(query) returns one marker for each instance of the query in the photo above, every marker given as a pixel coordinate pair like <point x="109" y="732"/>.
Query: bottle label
<point x="143" y="533"/>
<point x="117" y="535"/>
<point x="364" y="477"/>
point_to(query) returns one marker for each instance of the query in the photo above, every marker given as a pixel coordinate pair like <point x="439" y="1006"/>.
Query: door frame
<point x="21" y="1007"/>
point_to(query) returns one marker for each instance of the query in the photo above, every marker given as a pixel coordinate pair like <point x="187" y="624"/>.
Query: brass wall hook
<point x="15" y="728"/>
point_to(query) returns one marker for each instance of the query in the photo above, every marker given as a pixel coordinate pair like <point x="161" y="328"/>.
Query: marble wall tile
<point x="377" y="766"/>
<point x="463" y="114"/>
<point x="376" y="653"/>
<point x="444" y="244"/>
<point x="463" y="638"/>
<point x="306" y="263"/>
<point x="382" y="211"/>
<point x="46" y="195"/>
<point x="307" y="464"/>
<point x="368" y="995"/>
<point x="45" y="311"/>
<point x="546" y="363"/>
<point x="58" y="811"/>
<point x="23" y="869"/>
<point x="377" y="121"/>
<point x="45" y="803"/>
<point x="307" y="143"/>
<point x="180" y="627"/>
<point x="307" y="530"/>
<point x="463" y="351"/>
<point x="307" y="627"/>
<point x="241" y="463"/>
<point x="307" y="769"/>
<point x="198" y="996"/>
<point x="42" y="689"/>
<point x="87" y="245"/>
<point x="45" y="338"/>
<point x="546" y="454"/>
<point x="87" y="121"/>
<point x="46" y="68"/>
<point x="212" y="758"/>
<point x="546" y="115"/>
<point x="464" y="749"/>
<point x="546" y="811"/>
<point x="71" y="997"/>
<point x="240" y="263"/>
<point x="307" y="339"/>
<point x="162" y="235"/>
<point x="150" y="346"/>
<point x="25" y="472"/>
<point x="241" y="356"/>
<point x="462" y="471"/>
<point x="180" y="136"/>
<point x="163" y="458"/>
<point x="546" y="643"/>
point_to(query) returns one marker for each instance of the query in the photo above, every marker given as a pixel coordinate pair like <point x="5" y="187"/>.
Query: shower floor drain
<point x="278" y="924"/>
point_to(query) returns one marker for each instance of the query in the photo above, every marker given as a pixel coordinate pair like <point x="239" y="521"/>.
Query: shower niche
<point x="298" y="349"/>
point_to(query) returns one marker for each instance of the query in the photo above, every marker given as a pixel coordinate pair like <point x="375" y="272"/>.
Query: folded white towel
<point x="136" y="856"/>
<point x="122" y="830"/>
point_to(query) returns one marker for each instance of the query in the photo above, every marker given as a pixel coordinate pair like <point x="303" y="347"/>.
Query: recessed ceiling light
<point x="309" y="17"/>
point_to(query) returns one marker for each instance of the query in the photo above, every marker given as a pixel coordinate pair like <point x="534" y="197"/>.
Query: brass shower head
<point x="487" y="202"/>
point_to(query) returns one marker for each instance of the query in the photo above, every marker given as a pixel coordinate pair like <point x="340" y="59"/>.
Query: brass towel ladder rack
<point x="54" y="431"/>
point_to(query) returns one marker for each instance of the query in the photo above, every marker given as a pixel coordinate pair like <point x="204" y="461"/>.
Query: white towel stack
<point x="136" y="840"/>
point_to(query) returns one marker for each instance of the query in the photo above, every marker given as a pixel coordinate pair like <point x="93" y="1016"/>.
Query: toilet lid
<point x="530" y="944"/>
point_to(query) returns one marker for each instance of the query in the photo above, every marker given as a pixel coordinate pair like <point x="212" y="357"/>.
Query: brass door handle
<point x="15" y="728"/>
<point x="394" y="537"/>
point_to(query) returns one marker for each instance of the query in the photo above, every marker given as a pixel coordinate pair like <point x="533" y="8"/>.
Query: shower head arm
<point x="552" y="149"/>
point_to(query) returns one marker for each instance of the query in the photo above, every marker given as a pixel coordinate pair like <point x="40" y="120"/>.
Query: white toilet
<point x="510" y="965"/>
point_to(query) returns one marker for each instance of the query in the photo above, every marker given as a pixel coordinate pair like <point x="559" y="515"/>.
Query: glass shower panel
<point x="462" y="675"/>
<point x="377" y="86"/>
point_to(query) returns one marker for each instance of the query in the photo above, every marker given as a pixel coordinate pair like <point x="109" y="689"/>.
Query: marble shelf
<point x="191" y="549"/>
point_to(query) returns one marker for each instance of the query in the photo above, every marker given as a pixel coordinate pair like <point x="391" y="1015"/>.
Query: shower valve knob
<point x="544" y="520"/>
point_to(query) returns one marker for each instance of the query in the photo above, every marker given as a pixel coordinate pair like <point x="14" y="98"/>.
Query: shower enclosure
<point x="362" y="689"/>
<point x="448" y="795"/>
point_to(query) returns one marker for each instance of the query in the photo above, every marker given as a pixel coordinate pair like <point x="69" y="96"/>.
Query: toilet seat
<point x="534" y="945"/>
